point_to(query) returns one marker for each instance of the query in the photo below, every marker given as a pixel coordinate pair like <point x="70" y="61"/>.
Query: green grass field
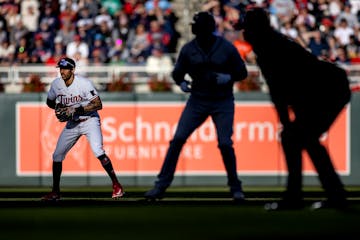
<point x="185" y="213"/>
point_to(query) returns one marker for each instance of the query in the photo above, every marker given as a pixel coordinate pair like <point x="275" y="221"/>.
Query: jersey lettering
<point x="69" y="100"/>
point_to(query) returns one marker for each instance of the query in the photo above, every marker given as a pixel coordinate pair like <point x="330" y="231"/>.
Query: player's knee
<point x="58" y="157"/>
<point x="178" y="141"/>
<point x="288" y="135"/>
<point x="225" y="147"/>
<point x="293" y="138"/>
<point x="225" y="143"/>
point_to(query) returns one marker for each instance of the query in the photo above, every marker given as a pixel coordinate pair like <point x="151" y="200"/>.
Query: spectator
<point x="84" y="15"/>
<point x="121" y="27"/>
<point x="284" y="10"/>
<point x="48" y="16"/>
<point x="334" y="7"/>
<point x="158" y="62"/>
<point x="104" y="18"/>
<point x="104" y="30"/>
<point x="3" y="33"/>
<point x="98" y="50"/>
<point x="305" y="18"/>
<point x="333" y="46"/>
<point x="118" y="53"/>
<point x="343" y="32"/>
<point x="77" y="49"/>
<point x="170" y="20"/>
<point x="71" y="5"/>
<point x="139" y="16"/>
<point x="22" y="50"/>
<point x="342" y="57"/>
<point x="352" y="48"/>
<point x="68" y="15"/>
<point x="53" y="4"/>
<point x="289" y="30"/>
<point x="58" y="52"/>
<point x="67" y="32"/>
<point x="346" y="13"/>
<point x="85" y="25"/>
<point x="40" y="50"/>
<point x="317" y="44"/>
<point x="30" y="14"/>
<point x="157" y="37"/>
<point x="215" y="7"/>
<point x="12" y="17"/>
<point x="3" y="21"/>
<point x="91" y="5"/>
<point x="151" y="5"/>
<point x="244" y="48"/>
<point x="7" y="50"/>
<point x="47" y="34"/>
<point x="112" y="6"/>
<point x="138" y="44"/>
<point x="85" y="32"/>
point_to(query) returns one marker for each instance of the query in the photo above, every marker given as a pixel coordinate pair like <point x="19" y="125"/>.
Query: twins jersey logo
<point x="80" y="91"/>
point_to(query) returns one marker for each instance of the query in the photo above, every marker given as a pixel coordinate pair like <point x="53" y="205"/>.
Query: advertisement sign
<point x="136" y="136"/>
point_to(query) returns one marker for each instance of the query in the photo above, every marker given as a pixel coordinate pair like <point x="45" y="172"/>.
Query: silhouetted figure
<point x="213" y="64"/>
<point x="315" y="91"/>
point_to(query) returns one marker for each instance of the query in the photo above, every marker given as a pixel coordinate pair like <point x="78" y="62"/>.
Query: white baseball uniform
<point x="80" y="92"/>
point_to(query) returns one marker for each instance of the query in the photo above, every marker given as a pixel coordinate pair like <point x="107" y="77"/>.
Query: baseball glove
<point x="64" y="113"/>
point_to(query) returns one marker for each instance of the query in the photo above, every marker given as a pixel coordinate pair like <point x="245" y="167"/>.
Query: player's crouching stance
<point x="76" y="102"/>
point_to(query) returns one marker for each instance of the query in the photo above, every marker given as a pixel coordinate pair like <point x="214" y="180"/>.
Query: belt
<point x="81" y="120"/>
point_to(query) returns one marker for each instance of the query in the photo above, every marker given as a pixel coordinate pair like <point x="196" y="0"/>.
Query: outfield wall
<point x="137" y="128"/>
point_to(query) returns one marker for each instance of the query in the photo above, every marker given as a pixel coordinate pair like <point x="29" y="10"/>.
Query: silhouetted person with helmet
<point x="314" y="92"/>
<point x="214" y="65"/>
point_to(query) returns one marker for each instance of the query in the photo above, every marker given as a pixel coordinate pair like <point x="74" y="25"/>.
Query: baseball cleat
<point x="154" y="194"/>
<point x="118" y="191"/>
<point x="52" y="196"/>
<point x="238" y="196"/>
<point x="330" y="204"/>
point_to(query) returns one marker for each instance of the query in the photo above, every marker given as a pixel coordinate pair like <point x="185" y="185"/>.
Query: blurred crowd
<point x="94" y="32"/>
<point x="327" y="28"/>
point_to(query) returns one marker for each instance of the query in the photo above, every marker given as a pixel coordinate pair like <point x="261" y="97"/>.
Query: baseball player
<point x="76" y="102"/>
<point x="214" y="65"/>
<point x="308" y="95"/>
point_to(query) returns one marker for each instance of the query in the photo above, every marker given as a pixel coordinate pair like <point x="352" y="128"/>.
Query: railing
<point x="15" y="76"/>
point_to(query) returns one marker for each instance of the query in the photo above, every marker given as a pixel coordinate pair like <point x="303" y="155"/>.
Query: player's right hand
<point x="185" y="86"/>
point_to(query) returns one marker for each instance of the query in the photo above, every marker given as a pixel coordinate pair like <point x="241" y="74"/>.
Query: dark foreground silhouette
<point x="308" y="95"/>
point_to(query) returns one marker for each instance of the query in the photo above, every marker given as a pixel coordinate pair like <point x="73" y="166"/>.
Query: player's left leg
<point x="291" y="144"/>
<point x="330" y="180"/>
<point x="93" y="133"/>
<point x="66" y="141"/>
<point x="223" y="118"/>
<point x="193" y="115"/>
<point x="54" y="195"/>
<point x="107" y="165"/>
